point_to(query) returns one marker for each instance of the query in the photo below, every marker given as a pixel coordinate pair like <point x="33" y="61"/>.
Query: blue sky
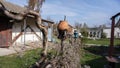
<point x="91" y="12"/>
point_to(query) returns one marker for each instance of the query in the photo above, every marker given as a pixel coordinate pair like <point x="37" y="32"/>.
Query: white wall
<point x="108" y="32"/>
<point x="49" y="34"/>
<point x="28" y="36"/>
<point x="117" y="32"/>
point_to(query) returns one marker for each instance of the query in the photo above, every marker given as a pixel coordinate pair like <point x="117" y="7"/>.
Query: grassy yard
<point x="30" y="57"/>
<point x="15" y="61"/>
<point x="94" y="60"/>
<point x="101" y="41"/>
<point x="22" y="61"/>
<point x="90" y="56"/>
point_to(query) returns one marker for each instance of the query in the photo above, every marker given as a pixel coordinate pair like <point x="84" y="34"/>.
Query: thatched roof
<point x="17" y="9"/>
<point x="12" y="7"/>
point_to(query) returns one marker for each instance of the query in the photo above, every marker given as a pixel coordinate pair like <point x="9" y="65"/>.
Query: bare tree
<point x="84" y="30"/>
<point x="35" y="4"/>
<point x="78" y="26"/>
<point x="21" y="16"/>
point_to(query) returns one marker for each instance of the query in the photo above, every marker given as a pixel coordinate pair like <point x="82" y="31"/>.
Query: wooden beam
<point x="16" y="37"/>
<point x="43" y="20"/>
<point x="34" y="33"/>
<point x="118" y="23"/>
<point x="115" y="15"/>
<point x="111" y="48"/>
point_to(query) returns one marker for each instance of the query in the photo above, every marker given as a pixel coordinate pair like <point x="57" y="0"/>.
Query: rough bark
<point x="42" y="28"/>
<point x="45" y="34"/>
<point x="18" y="17"/>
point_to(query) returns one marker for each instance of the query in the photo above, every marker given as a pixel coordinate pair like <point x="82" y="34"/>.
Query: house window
<point x="90" y="34"/>
<point x="94" y="34"/>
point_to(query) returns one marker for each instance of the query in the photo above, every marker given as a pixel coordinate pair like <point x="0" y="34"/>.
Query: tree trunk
<point x="13" y="16"/>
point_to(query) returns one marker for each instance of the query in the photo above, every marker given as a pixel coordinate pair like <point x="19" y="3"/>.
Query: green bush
<point x="103" y="35"/>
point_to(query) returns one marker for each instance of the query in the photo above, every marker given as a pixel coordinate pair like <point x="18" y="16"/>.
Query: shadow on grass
<point x="98" y="50"/>
<point x="99" y="63"/>
<point x="102" y="50"/>
<point x="94" y="56"/>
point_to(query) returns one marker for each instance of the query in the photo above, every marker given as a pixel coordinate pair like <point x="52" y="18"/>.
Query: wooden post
<point x="111" y="48"/>
<point x="24" y="29"/>
<point x="112" y="61"/>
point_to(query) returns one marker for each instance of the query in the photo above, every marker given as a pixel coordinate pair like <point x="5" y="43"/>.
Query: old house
<point x="14" y="31"/>
<point x="94" y="33"/>
<point x="117" y="25"/>
<point x="107" y="31"/>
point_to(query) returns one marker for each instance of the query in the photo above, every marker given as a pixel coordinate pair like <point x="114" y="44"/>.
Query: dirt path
<point x="6" y="51"/>
<point x="19" y="48"/>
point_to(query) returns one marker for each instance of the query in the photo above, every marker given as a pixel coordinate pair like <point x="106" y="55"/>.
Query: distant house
<point x="117" y="25"/>
<point x="107" y="31"/>
<point x="12" y="31"/>
<point x="94" y="33"/>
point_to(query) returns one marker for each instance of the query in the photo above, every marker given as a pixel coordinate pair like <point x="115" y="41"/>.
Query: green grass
<point x="15" y="61"/>
<point x="94" y="61"/>
<point x="30" y="57"/>
<point x="101" y="41"/>
<point x="25" y="61"/>
<point x="91" y="55"/>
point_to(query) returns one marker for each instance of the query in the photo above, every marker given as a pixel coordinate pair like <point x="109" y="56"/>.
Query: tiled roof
<point x="12" y="7"/>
